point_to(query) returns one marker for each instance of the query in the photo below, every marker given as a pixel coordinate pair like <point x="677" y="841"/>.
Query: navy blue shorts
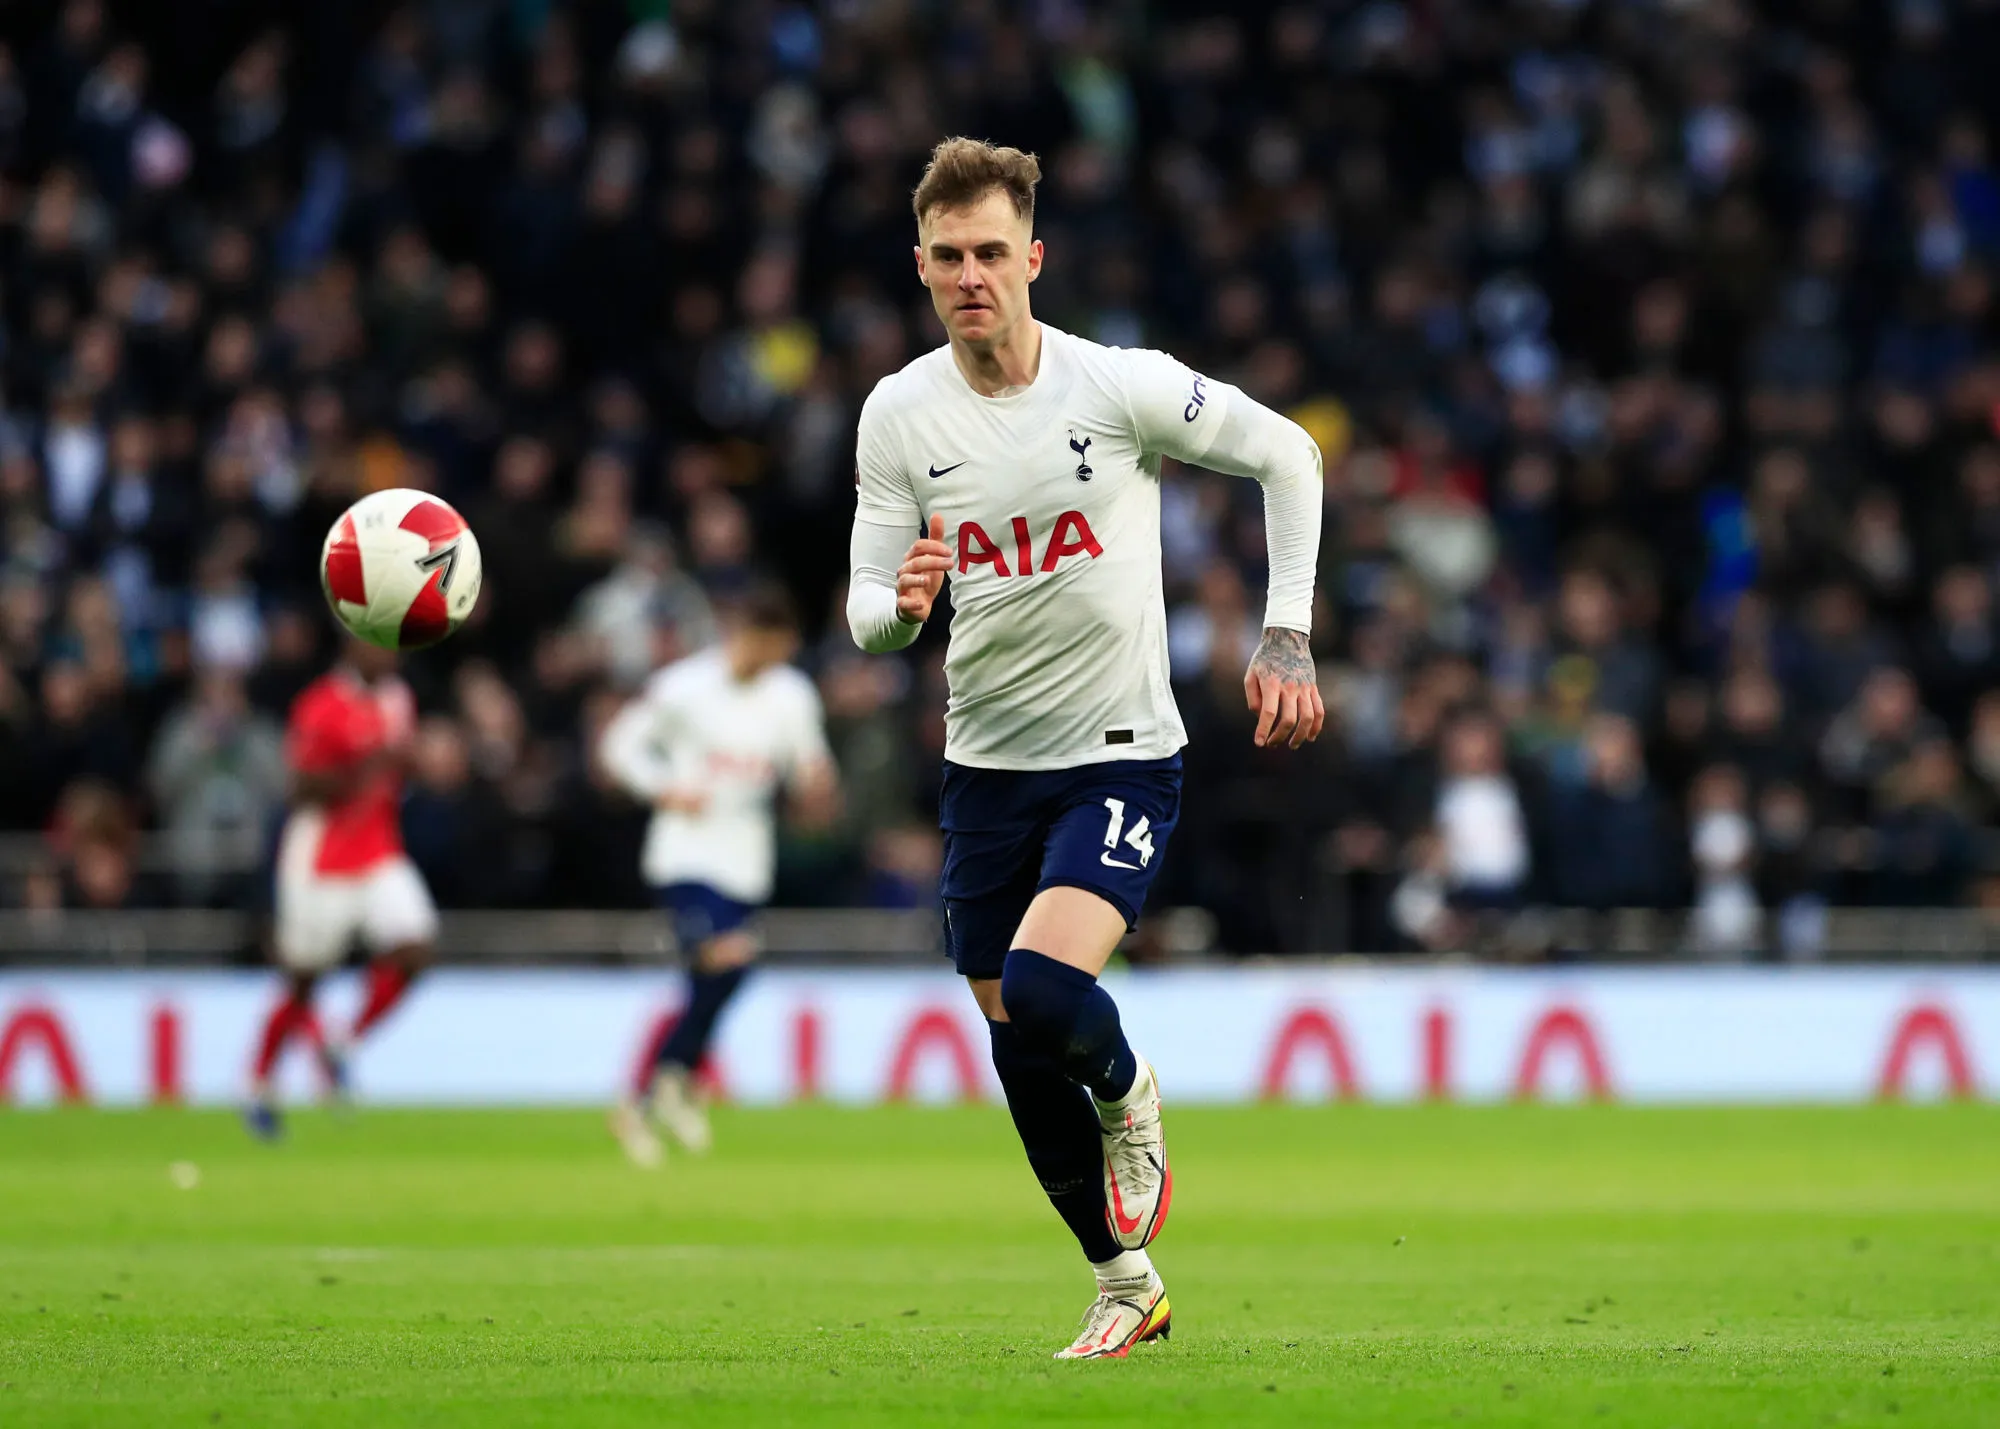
<point x="700" y="913"/>
<point x="1008" y="834"/>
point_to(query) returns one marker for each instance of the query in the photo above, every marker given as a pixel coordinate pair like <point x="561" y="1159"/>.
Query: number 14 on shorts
<point x="1138" y="838"/>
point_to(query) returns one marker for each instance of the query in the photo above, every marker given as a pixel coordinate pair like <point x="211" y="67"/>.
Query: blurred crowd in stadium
<point x="1650" y="345"/>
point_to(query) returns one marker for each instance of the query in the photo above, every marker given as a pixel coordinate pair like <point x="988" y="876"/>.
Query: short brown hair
<point x="766" y="605"/>
<point x="963" y="171"/>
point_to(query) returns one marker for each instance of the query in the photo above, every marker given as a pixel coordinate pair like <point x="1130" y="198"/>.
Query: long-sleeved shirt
<point x="1051" y="505"/>
<point x="731" y="744"/>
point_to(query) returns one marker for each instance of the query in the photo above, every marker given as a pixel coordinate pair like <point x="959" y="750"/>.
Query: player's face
<point x="978" y="262"/>
<point x="758" y="649"/>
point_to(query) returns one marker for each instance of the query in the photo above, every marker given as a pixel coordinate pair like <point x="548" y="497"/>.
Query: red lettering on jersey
<point x="976" y="548"/>
<point x="727" y="764"/>
<point x="1072" y="537"/>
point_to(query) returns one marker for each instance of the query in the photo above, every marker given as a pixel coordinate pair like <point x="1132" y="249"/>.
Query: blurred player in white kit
<point x="710" y="744"/>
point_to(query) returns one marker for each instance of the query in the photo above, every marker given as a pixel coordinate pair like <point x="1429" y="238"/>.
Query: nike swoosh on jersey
<point x="938" y="471"/>
<point x="1109" y="862"/>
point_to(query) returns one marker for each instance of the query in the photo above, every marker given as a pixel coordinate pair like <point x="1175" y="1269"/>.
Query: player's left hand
<point x="922" y="574"/>
<point x="1282" y="690"/>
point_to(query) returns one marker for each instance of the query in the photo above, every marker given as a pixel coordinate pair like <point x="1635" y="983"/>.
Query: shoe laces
<point x="1135" y="1134"/>
<point x="1101" y="1316"/>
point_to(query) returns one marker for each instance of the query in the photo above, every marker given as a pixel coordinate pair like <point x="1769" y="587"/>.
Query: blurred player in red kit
<point x="342" y="874"/>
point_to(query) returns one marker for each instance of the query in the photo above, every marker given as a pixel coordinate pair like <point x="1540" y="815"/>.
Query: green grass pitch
<point x="1339" y="1265"/>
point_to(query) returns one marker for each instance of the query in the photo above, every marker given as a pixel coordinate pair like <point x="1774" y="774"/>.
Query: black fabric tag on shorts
<point x="1117" y="736"/>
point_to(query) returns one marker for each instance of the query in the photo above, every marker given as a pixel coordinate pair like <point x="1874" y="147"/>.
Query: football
<point x="401" y="569"/>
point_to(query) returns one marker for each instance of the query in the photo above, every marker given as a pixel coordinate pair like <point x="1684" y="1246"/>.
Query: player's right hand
<point x="691" y="802"/>
<point x="921" y="576"/>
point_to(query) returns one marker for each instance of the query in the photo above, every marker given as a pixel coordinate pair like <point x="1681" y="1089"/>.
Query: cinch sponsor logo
<point x="1196" y="400"/>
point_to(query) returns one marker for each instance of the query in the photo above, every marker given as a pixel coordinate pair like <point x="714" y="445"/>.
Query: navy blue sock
<point x="1062" y="1014"/>
<point x="708" y="994"/>
<point x="1059" y="1131"/>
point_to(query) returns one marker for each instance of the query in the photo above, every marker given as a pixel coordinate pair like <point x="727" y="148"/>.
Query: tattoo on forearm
<point x="1284" y="655"/>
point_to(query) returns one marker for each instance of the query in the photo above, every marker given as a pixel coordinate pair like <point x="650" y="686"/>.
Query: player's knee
<point x="986" y="992"/>
<point x="1019" y="996"/>
<point x="1041" y="995"/>
<point x="412" y="957"/>
<point x="726" y="952"/>
<point x="1008" y="1052"/>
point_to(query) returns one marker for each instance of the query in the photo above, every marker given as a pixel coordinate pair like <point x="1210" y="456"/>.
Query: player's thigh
<point x="988" y="884"/>
<point x="994" y="823"/>
<point x="398" y="911"/>
<point x="727" y="951"/>
<point x="317" y="920"/>
<point x="1100" y="858"/>
<point x="714" y="931"/>
<point x="1074" y="926"/>
<point x="709" y="925"/>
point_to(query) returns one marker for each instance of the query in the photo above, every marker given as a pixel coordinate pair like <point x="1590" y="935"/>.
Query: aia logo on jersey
<point x="1071" y="536"/>
<point x="1082" y="450"/>
<point x="727" y="764"/>
<point x="1196" y="399"/>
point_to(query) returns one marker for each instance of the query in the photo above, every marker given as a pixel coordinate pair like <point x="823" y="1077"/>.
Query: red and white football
<point x="401" y="569"/>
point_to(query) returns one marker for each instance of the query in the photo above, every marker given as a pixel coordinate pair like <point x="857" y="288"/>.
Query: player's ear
<point x="918" y="253"/>
<point x="1034" y="259"/>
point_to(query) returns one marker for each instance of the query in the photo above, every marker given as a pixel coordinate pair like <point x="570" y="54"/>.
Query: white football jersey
<point x="696" y="728"/>
<point x="1051" y="506"/>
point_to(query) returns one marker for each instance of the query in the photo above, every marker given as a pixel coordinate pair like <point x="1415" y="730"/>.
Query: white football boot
<point x="679" y="1106"/>
<point x="1125" y="1313"/>
<point x="628" y="1124"/>
<point x="1138" y="1183"/>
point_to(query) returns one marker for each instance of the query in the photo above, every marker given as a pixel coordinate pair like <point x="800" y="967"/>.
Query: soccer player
<point x="342" y="873"/>
<point x="709" y="744"/>
<point x="1029" y="461"/>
